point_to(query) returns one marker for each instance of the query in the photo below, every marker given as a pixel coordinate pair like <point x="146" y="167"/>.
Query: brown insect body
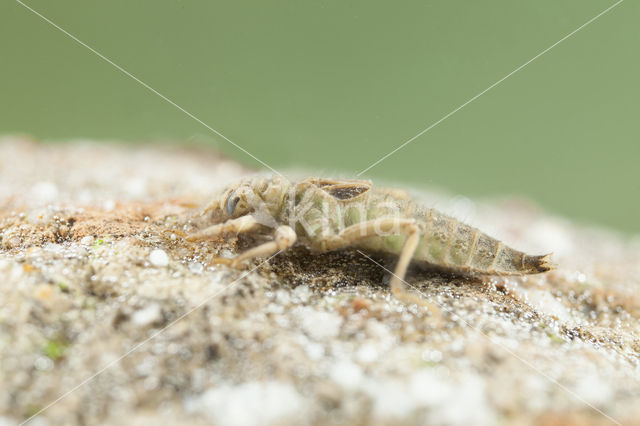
<point x="444" y="241"/>
<point x="331" y="214"/>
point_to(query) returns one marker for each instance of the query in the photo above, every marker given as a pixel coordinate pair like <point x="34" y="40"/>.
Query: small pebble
<point x="367" y="353"/>
<point x="303" y="293"/>
<point x="87" y="240"/>
<point x="347" y="374"/>
<point x="147" y="316"/>
<point x="196" y="267"/>
<point x="43" y="363"/>
<point x="159" y="258"/>
<point x="318" y="325"/>
<point x="431" y="356"/>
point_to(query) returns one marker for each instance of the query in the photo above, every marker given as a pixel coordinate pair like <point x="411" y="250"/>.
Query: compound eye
<point x="232" y="202"/>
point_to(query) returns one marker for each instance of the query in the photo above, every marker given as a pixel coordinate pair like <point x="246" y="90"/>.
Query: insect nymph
<point x="332" y="214"/>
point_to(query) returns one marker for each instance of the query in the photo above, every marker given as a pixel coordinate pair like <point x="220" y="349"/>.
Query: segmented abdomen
<point x="447" y="242"/>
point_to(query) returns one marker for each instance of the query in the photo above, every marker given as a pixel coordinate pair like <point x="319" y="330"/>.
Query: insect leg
<point x="406" y="254"/>
<point x="237" y="226"/>
<point x="284" y="238"/>
<point x="389" y="226"/>
<point x="380" y="227"/>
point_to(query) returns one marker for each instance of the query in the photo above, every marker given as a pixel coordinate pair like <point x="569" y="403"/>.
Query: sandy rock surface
<point x="107" y="315"/>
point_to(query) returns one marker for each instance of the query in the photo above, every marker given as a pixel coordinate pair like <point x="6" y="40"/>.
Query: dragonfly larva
<point x="332" y="214"/>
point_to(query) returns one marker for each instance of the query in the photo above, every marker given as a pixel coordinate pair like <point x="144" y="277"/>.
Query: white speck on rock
<point x="147" y="316"/>
<point x="314" y="351"/>
<point x="273" y="308"/>
<point x="43" y="363"/>
<point x="87" y="240"/>
<point x="283" y="297"/>
<point x="303" y="293"/>
<point x="318" y="325"/>
<point x="196" y="267"/>
<point x="159" y="258"/>
<point x="382" y="335"/>
<point x="431" y="356"/>
<point x="53" y="248"/>
<point x="346" y="374"/>
<point x="251" y="403"/>
<point x="367" y="353"/>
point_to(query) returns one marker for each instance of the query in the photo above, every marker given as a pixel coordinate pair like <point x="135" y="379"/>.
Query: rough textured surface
<point x="95" y="277"/>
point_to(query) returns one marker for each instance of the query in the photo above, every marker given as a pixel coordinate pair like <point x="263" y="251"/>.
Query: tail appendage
<point x="447" y="242"/>
<point x="538" y="264"/>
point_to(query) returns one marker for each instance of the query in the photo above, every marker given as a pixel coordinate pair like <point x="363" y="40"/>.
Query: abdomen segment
<point x="447" y="242"/>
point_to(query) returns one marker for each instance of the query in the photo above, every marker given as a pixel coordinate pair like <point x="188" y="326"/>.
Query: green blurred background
<point x="335" y="85"/>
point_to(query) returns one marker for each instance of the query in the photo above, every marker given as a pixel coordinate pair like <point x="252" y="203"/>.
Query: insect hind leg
<point x="387" y="226"/>
<point x="408" y="249"/>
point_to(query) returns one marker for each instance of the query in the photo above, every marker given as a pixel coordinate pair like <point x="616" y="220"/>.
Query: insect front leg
<point x="236" y="226"/>
<point x="284" y="238"/>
